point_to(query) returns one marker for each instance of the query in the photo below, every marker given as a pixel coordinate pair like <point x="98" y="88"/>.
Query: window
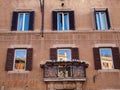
<point x="106" y="58"/>
<point x="63" y="20"/>
<point x="19" y="59"/>
<point x="22" y="21"/>
<point x="64" y="54"/>
<point x="102" y="20"/>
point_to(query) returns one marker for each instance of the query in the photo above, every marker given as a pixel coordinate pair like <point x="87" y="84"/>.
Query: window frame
<point x="63" y="20"/>
<point x="64" y="49"/>
<point x="115" y="57"/>
<point x="100" y="25"/>
<point x="108" y="25"/>
<point x="23" y="22"/>
<point x="71" y="18"/>
<point x="14" y="22"/>
<point x="14" y="69"/>
<point x="111" y="57"/>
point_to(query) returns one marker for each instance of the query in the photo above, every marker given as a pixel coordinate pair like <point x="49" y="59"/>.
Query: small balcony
<point x="64" y="71"/>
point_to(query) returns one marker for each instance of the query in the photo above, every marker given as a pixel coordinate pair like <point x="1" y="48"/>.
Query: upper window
<point x="63" y="20"/>
<point x="102" y="20"/>
<point x="22" y="21"/>
<point x="19" y="59"/>
<point x="64" y="54"/>
<point x="106" y="58"/>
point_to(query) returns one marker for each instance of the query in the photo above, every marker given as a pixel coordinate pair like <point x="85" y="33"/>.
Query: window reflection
<point x="106" y="58"/>
<point x="64" y="54"/>
<point x="23" y="21"/>
<point x="20" y="58"/>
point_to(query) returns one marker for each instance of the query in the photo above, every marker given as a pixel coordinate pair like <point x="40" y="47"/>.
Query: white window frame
<point x="23" y="23"/>
<point x="111" y="57"/>
<point x="14" y="69"/>
<point x="63" y="28"/>
<point x="58" y="54"/>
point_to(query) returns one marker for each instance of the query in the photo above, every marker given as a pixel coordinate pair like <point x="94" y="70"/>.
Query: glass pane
<point x="26" y="22"/>
<point x="104" y="21"/>
<point x="101" y="21"/>
<point x="106" y="58"/>
<point x="98" y="21"/>
<point x="20" y="22"/>
<point x="59" y="21"/>
<point x="66" y="22"/>
<point x="64" y="54"/>
<point x="20" y="58"/>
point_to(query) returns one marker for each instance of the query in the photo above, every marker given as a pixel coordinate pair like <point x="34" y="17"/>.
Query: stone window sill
<point x="18" y="71"/>
<point x="109" y="70"/>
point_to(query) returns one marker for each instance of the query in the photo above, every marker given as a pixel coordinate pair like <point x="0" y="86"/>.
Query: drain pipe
<point x="42" y="15"/>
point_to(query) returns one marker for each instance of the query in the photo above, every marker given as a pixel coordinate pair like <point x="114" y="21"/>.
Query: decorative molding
<point x="20" y="46"/>
<point x="105" y="45"/>
<point x="64" y="45"/>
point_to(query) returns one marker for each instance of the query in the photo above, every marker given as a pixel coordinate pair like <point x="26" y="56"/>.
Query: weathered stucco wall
<point x="85" y="37"/>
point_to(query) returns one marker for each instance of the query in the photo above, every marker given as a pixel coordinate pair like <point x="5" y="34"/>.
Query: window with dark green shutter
<point x="19" y="59"/>
<point x="22" y="21"/>
<point x="106" y="58"/>
<point x="64" y="54"/>
<point x="63" y="20"/>
<point x="102" y="19"/>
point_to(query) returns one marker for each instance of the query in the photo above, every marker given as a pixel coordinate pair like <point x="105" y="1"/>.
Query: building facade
<point x="59" y="45"/>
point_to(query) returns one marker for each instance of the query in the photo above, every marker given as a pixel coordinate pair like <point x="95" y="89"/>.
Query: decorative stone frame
<point x="64" y="85"/>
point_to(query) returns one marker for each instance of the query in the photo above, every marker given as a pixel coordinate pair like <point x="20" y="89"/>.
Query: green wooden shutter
<point x="97" y="61"/>
<point x="53" y="54"/>
<point x="71" y="20"/>
<point x="10" y="59"/>
<point x="14" y="21"/>
<point x="31" y="21"/>
<point x="75" y="53"/>
<point x="116" y="57"/>
<point x="54" y="20"/>
<point x="29" y="59"/>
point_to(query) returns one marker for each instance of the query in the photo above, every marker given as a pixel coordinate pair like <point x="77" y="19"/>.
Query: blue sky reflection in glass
<point x="106" y="58"/>
<point x="20" y="54"/>
<point x="23" y="21"/>
<point x="64" y="54"/>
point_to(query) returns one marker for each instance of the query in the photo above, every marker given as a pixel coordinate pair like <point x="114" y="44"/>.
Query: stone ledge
<point x="64" y="79"/>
